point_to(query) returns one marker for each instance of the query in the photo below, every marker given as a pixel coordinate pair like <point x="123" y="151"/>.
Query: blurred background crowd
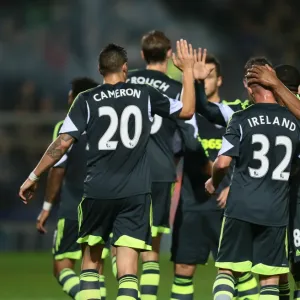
<point x="45" y="43"/>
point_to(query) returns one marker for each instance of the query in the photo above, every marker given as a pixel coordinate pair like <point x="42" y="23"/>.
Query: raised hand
<point x="201" y="69"/>
<point x="183" y="59"/>
<point x="263" y="75"/>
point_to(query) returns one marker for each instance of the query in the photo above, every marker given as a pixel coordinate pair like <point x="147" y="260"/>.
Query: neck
<point x="114" y="78"/>
<point x="215" y="98"/>
<point x="161" y="67"/>
<point x="264" y="99"/>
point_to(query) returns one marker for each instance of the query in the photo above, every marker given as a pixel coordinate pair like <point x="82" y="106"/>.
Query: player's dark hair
<point x="111" y="59"/>
<point x="289" y="75"/>
<point x="256" y="61"/>
<point x="82" y="84"/>
<point x="155" y="46"/>
<point x="211" y="59"/>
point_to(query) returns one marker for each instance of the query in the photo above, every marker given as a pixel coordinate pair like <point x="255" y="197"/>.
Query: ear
<point x="245" y="83"/>
<point x="125" y="68"/>
<point x="299" y="89"/>
<point x="169" y="53"/>
<point x="142" y="55"/>
<point x="219" y="81"/>
<point x="249" y="90"/>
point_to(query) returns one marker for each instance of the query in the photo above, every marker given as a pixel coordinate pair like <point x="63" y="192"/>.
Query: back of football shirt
<point x="263" y="140"/>
<point x="162" y="130"/>
<point x="117" y="121"/>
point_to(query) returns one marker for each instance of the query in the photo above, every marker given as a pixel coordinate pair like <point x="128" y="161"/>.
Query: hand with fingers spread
<point x="263" y="75"/>
<point x="183" y="59"/>
<point x="41" y="221"/>
<point x="27" y="190"/>
<point x="201" y="69"/>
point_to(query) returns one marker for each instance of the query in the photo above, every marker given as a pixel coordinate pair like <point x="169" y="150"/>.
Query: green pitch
<point x="28" y="276"/>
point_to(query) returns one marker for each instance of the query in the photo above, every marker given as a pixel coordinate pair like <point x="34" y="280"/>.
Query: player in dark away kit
<point x="198" y="218"/>
<point x="66" y="180"/>
<point x="156" y="51"/>
<point x="117" y="119"/>
<point x="263" y="140"/>
<point x="290" y="77"/>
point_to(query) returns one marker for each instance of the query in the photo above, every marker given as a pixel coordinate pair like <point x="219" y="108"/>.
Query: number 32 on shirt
<point x="261" y="155"/>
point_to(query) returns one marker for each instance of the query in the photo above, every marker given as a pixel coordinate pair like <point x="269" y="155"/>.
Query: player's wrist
<point x="188" y="70"/>
<point x="47" y="206"/>
<point x="275" y="85"/>
<point x="33" y="177"/>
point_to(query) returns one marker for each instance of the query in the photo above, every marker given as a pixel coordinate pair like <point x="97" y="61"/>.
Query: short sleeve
<point x="162" y="105"/>
<point x="76" y="121"/>
<point x="62" y="163"/>
<point x="231" y="139"/>
<point x="190" y="135"/>
<point x="56" y="130"/>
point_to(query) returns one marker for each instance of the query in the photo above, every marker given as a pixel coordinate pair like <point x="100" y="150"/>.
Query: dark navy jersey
<point x="74" y="163"/>
<point x="117" y="120"/>
<point x="163" y="129"/>
<point x="218" y="113"/>
<point x="193" y="193"/>
<point x="263" y="140"/>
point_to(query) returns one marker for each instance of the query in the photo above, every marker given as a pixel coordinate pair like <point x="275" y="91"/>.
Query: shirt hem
<point x="118" y="197"/>
<point x="256" y="222"/>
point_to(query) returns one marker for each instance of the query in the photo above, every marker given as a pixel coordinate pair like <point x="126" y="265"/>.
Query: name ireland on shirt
<point x="266" y="120"/>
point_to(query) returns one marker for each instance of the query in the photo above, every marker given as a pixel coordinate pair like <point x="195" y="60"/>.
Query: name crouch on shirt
<point x="265" y="120"/>
<point x="158" y="84"/>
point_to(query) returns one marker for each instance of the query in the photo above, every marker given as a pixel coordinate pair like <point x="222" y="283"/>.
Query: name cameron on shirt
<point x="117" y="93"/>
<point x="265" y="120"/>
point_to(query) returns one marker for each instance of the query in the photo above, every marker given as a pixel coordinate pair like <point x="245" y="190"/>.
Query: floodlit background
<point x="44" y="44"/>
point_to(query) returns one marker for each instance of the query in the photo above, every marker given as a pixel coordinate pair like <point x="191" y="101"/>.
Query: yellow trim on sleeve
<point x="56" y="130"/>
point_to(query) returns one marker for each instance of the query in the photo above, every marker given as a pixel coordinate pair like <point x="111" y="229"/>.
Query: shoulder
<point x="86" y="95"/>
<point x="237" y="104"/>
<point x="135" y="73"/>
<point x="175" y="83"/>
<point x="238" y="116"/>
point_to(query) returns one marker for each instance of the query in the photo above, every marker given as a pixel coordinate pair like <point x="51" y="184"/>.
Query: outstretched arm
<point x="184" y="61"/>
<point x="52" y="155"/>
<point x="220" y="168"/>
<point x="74" y="125"/>
<point x="214" y="112"/>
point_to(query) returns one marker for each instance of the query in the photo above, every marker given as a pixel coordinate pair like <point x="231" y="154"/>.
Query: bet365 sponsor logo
<point x="211" y="144"/>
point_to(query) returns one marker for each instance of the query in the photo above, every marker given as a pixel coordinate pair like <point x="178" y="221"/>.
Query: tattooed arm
<point x="52" y="155"/>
